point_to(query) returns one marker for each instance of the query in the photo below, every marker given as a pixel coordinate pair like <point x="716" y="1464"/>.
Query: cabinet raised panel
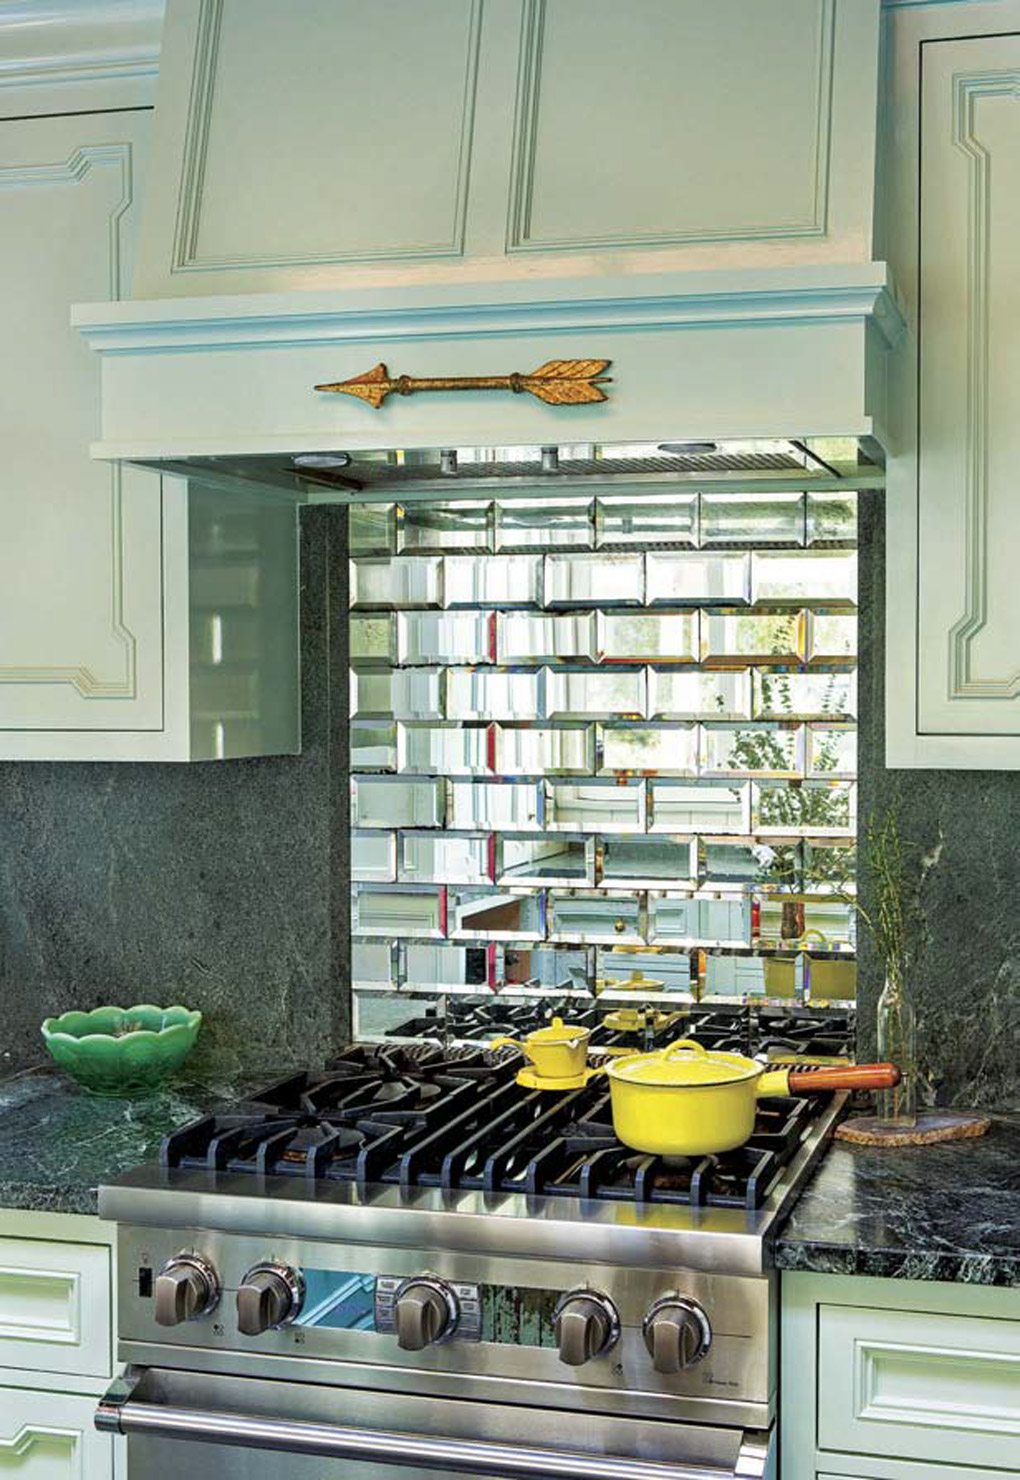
<point x="80" y="569"/>
<point x="969" y="413"/>
<point x="50" y="1436"/>
<point x="54" y="1308"/>
<point x="630" y="131"/>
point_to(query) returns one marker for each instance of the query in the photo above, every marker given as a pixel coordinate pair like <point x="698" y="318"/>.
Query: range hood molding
<point x="755" y="354"/>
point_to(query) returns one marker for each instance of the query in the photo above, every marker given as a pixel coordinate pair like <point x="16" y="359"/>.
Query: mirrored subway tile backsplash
<point x="601" y="740"/>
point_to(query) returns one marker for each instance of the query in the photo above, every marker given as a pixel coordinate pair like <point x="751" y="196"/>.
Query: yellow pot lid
<point x="559" y="1032"/>
<point x="636" y="982"/>
<point x="684" y="1063"/>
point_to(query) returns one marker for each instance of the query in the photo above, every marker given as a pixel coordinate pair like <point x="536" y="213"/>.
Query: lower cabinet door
<point x="50" y="1436"/>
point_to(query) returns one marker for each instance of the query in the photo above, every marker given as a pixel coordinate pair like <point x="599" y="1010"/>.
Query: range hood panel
<point x="787" y="354"/>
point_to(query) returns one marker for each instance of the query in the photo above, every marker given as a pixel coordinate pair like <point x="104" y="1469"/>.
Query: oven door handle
<point x="384" y="1446"/>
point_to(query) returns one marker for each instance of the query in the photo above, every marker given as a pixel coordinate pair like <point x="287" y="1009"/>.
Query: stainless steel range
<point x="409" y="1264"/>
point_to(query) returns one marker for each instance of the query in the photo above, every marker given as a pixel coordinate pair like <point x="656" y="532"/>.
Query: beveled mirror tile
<point x="486" y="695"/>
<point x="433" y="967"/>
<point x="804" y="577"/>
<point x="496" y="914"/>
<point x="552" y="968"/>
<point x="831" y="518"/>
<point x="373" y="962"/>
<point x="372" y="638"/>
<point x="831" y="637"/>
<point x="372" y="529"/>
<point x="373" y="857"/>
<point x="591" y="917"/>
<point x="832" y="750"/>
<point x="648" y="637"/>
<point x="830" y="868"/>
<point x="670" y="520"/>
<point x="830" y="980"/>
<point x="492" y="580"/>
<point x="690" y="578"/>
<point x="822" y="807"/>
<point x="775" y="867"/>
<point x="523" y="638"/>
<point x="445" y="637"/>
<point x="673" y="694"/>
<point x="539" y="523"/>
<point x="616" y="967"/>
<point x="545" y="860"/>
<point x="617" y="693"/>
<point x="649" y="750"/>
<point x="780" y="695"/>
<point x="767" y="518"/>
<point x="653" y="863"/>
<point x="742" y="978"/>
<point x="397" y="911"/>
<point x="672" y="919"/>
<point x="453" y="526"/>
<point x="725" y="920"/>
<point x="594" y="580"/>
<point x="446" y="750"/>
<point x="373" y="746"/>
<point x="700" y="806"/>
<point x="412" y="580"/>
<point x="595" y="806"/>
<point x="385" y="801"/>
<point x="446" y="858"/>
<point x="565" y="751"/>
<point x="488" y="804"/>
<point x="371" y="694"/>
<point x="752" y="637"/>
<point x="782" y="923"/>
<point x="755" y="750"/>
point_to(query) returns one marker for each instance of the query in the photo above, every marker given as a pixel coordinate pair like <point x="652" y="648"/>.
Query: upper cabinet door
<point x="417" y="143"/>
<point x="953" y="603"/>
<point x="80" y="541"/>
<point x="969" y="412"/>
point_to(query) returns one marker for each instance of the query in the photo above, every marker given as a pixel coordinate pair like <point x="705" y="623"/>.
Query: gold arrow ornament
<point x="557" y="382"/>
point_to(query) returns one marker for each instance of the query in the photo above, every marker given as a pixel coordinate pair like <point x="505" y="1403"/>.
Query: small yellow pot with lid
<point x="559" y="1051"/>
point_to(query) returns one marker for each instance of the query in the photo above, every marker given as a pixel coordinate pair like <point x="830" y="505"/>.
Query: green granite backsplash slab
<point x="219" y="886"/>
<point x="949" y="1212"/>
<point x="57" y="1143"/>
<point x="965" y="826"/>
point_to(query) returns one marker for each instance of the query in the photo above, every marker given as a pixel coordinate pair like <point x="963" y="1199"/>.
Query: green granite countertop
<point x="57" y="1143"/>
<point x="949" y="1212"/>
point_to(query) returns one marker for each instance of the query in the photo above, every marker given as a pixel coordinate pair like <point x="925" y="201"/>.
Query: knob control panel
<point x="425" y="1310"/>
<point x="586" y="1325"/>
<point x="677" y="1333"/>
<point x="269" y="1296"/>
<point x="186" y="1289"/>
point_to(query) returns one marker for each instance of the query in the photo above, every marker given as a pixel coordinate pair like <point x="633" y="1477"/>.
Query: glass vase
<point x="897" y="1044"/>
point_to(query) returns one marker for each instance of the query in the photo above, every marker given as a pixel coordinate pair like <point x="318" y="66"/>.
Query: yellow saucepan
<point x="559" y="1051"/>
<point x="687" y="1101"/>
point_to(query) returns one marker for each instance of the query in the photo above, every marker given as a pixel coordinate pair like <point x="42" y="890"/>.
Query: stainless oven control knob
<point x="186" y="1289"/>
<point x="426" y="1311"/>
<point x="677" y="1333"/>
<point x="269" y="1296"/>
<point x="586" y="1325"/>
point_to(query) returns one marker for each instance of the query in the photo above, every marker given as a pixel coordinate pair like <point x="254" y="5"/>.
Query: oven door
<point x="240" y="1428"/>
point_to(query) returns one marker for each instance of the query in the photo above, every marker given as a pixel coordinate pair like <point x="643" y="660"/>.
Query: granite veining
<point x="58" y="1143"/>
<point x="962" y="827"/>
<point x="222" y="886"/>
<point x="945" y="1212"/>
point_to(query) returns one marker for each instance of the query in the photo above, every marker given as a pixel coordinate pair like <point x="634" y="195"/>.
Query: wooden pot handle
<point x="844" y="1076"/>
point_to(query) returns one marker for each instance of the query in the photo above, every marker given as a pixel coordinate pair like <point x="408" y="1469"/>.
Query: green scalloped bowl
<point x="123" y="1052"/>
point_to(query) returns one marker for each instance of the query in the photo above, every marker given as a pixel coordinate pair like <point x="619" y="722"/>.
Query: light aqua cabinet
<point x="898" y="1380"/>
<point x="56" y="1347"/>
<point x="491" y="140"/>
<point x="953" y="220"/>
<point x="140" y="618"/>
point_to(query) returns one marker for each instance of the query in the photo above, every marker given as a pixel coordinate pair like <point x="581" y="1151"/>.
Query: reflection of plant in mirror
<point x="762" y="750"/>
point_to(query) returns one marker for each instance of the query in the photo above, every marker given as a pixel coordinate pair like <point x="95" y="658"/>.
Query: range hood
<point x="768" y="373"/>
